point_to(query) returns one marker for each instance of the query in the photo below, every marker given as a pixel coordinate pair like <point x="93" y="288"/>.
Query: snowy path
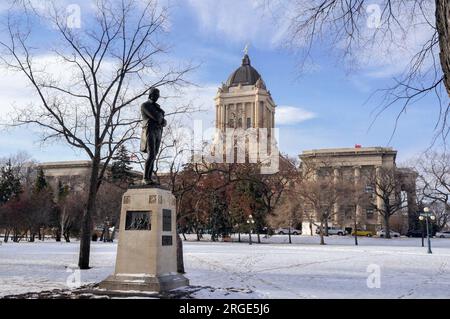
<point x="269" y="270"/>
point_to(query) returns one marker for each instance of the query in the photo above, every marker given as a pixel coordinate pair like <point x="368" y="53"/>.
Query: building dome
<point x="244" y="75"/>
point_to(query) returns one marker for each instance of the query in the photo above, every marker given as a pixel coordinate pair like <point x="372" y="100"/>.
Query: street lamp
<point x="250" y="222"/>
<point x="425" y="216"/>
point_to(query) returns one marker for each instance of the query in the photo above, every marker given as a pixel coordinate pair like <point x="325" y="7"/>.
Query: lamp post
<point x="250" y="222"/>
<point x="425" y="216"/>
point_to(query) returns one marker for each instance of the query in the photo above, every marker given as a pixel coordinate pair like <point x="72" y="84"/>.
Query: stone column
<point x="253" y="114"/>
<point x="337" y="218"/>
<point x="222" y="107"/>
<point x="262" y="114"/>
<point x="360" y="216"/>
<point x="273" y="118"/>
<point x="225" y="116"/>
<point x="245" y="115"/>
<point x="257" y="112"/>
<point x="217" y="116"/>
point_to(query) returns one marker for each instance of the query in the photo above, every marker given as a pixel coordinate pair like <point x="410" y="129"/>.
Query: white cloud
<point x="16" y="91"/>
<point x="290" y="115"/>
<point x="242" y="21"/>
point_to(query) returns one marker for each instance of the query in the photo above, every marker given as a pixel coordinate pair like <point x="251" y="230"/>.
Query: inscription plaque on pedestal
<point x="167" y="220"/>
<point x="138" y="220"/>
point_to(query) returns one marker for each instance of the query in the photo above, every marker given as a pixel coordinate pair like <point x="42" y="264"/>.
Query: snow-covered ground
<point x="272" y="269"/>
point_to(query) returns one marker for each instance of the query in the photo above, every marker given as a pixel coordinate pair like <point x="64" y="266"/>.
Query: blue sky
<point x="325" y="106"/>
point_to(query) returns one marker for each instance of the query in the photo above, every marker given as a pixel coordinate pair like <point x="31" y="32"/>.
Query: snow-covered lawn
<point x="273" y="269"/>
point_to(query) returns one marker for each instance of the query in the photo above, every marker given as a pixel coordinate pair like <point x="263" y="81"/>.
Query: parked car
<point x="365" y="233"/>
<point x="443" y="234"/>
<point x="333" y="231"/>
<point x="285" y="231"/>
<point x="336" y="231"/>
<point x="382" y="233"/>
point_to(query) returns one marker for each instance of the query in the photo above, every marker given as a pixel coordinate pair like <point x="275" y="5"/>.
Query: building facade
<point x="74" y="174"/>
<point x="354" y="164"/>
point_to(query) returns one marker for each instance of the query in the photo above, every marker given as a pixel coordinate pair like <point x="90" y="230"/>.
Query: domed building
<point x="244" y="101"/>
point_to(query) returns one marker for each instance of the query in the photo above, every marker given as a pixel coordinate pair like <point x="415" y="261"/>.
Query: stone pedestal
<point x="146" y="254"/>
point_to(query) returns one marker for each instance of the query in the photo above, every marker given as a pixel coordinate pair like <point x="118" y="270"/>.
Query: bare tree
<point x="434" y="184"/>
<point x="110" y="64"/>
<point x="267" y="190"/>
<point x="387" y="190"/>
<point x="320" y="192"/>
<point x="71" y="209"/>
<point x="357" y="197"/>
<point x="361" y="24"/>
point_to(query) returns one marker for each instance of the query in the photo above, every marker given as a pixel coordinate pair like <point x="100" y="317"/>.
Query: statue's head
<point x="154" y="94"/>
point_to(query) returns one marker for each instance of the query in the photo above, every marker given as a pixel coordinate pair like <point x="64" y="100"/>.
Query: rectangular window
<point x="249" y="122"/>
<point x="369" y="213"/>
<point x="167" y="220"/>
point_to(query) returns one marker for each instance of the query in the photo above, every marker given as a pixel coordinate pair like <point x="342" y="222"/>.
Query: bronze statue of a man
<point x="153" y="123"/>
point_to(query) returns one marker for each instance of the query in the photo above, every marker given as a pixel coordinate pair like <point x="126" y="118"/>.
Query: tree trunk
<point x="322" y="240"/>
<point x="67" y="236"/>
<point x="102" y="235"/>
<point x="180" y="260"/>
<point x="58" y="235"/>
<point x="86" y="222"/>
<point x="387" y="228"/>
<point x="356" y="228"/>
<point x="239" y="237"/>
<point x="443" y="29"/>
<point x="259" y="237"/>
<point x="62" y="229"/>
